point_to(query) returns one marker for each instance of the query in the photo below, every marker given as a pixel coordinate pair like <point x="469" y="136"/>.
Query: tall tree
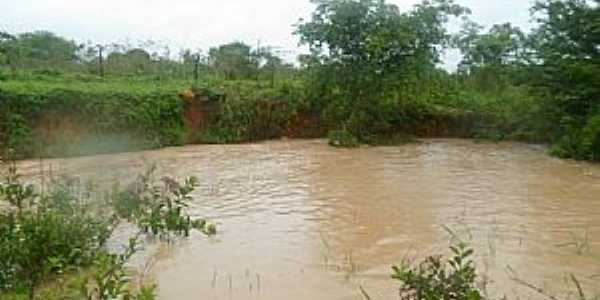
<point x="567" y="49"/>
<point x="366" y="47"/>
<point x="565" y="69"/>
<point x="6" y="47"/>
<point x="40" y="49"/>
<point x="500" y="46"/>
<point x="234" y="61"/>
<point x="132" y="61"/>
<point x="376" y="35"/>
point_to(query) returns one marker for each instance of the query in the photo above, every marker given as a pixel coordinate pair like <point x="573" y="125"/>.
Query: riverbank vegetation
<point x="54" y="238"/>
<point x="456" y="278"/>
<point x="373" y="75"/>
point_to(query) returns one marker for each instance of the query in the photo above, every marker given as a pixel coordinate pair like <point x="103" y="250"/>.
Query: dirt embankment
<point x="56" y="128"/>
<point x="61" y="134"/>
<point x="199" y="112"/>
<point x="271" y="120"/>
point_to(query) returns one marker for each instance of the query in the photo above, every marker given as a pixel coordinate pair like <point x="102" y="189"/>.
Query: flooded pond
<point x="301" y="220"/>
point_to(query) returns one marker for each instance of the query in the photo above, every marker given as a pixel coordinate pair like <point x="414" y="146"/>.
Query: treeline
<point x="373" y="74"/>
<point x="45" y="52"/>
<point x="59" y="98"/>
<point x="374" y="68"/>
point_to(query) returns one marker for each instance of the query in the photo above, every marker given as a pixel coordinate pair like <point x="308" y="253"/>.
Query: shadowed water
<point x="302" y="220"/>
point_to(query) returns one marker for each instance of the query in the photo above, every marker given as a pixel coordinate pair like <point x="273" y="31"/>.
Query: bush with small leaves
<point x="43" y="236"/>
<point x="343" y="139"/>
<point x="436" y="279"/>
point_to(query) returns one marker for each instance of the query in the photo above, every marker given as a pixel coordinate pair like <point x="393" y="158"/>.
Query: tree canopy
<point x="41" y="48"/>
<point x="234" y="60"/>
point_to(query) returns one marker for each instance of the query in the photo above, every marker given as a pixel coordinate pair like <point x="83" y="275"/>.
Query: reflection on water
<point x="302" y="220"/>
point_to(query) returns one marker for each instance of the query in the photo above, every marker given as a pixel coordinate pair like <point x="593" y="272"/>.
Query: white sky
<point x="202" y="23"/>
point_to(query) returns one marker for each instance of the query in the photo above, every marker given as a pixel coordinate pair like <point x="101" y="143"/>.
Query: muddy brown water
<point x="301" y="220"/>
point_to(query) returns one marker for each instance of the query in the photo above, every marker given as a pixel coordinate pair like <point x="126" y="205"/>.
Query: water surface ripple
<point x="302" y="220"/>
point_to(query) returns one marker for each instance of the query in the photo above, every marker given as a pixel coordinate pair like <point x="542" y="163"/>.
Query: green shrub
<point x="578" y="142"/>
<point x="44" y="235"/>
<point x="342" y="138"/>
<point x="590" y="138"/>
<point x="436" y="279"/>
<point x="250" y="112"/>
<point x="508" y="112"/>
<point x="65" y="230"/>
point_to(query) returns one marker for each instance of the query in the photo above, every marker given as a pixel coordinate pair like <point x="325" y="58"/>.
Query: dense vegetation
<point x="54" y="238"/>
<point x="64" y="115"/>
<point x="372" y="76"/>
<point x="374" y="71"/>
<point x="105" y="117"/>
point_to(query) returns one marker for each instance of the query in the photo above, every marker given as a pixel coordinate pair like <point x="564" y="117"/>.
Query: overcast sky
<point x="201" y="23"/>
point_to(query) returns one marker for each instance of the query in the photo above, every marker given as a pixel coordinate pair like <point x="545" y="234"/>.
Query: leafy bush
<point x="159" y="209"/>
<point x="579" y="142"/>
<point x="45" y="234"/>
<point x="342" y="138"/>
<point x="250" y="112"/>
<point x="65" y="229"/>
<point x="591" y="138"/>
<point x="436" y="279"/>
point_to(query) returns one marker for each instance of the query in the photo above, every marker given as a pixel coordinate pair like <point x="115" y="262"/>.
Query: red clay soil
<point x="199" y="111"/>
